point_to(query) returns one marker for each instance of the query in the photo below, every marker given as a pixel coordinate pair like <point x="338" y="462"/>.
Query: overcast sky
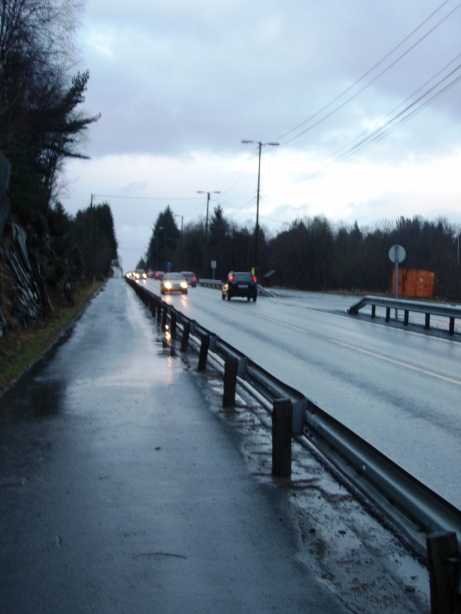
<point x="180" y="83"/>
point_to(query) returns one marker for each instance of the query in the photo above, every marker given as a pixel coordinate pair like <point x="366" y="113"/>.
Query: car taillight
<point x="231" y="278"/>
<point x="194" y="279"/>
<point x="254" y="278"/>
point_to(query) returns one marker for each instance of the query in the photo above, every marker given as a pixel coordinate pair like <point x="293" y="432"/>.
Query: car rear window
<point x="246" y="277"/>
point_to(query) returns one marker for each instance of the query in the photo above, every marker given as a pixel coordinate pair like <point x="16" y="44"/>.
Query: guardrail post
<point x="388" y="314"/>
<point x="164" y="315"/>
<point x="451" y="329"/>
<point x="203" y="353"/>
<point x="373" y="311"/>
<point x="230" y="381"/>
<point x="443" y="557"/>
<point x="281" y="437"/>
<point x="427" y="321"/>
<point x="173" y="320"/>
<point x="185" y="336"/>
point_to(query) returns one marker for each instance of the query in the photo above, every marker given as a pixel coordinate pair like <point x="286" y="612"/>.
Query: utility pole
<point x="206" y="221"/>
<point x="260" y="145"/>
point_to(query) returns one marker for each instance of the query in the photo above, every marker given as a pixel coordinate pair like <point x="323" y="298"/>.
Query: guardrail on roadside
<point x="422" y="515"/>
<point x="452" y="312"/>
<point x="210" y="283"/>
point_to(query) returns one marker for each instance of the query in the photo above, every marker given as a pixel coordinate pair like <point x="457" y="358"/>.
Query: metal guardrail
<point x="452" y="312"/>
<point x="413" y="507"/>
<point x="210" y="283"/>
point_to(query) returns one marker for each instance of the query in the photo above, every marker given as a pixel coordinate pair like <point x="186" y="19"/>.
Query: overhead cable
<point x="358" y="144"/>
<point x="366" y="85"/>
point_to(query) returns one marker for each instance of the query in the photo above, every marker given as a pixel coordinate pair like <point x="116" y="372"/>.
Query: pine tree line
<point x="312" y="253"/>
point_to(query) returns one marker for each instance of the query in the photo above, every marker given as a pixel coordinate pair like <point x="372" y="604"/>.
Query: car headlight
<point x="183" y="284"/>
<point x="167" y="285"/>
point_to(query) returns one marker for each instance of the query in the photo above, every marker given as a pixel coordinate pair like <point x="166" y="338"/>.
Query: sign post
<point x="213" y="266"/>
<point x="397" y="254"/>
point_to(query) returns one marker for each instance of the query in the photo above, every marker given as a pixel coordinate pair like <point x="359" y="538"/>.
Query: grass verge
<point x="21" y="347"/>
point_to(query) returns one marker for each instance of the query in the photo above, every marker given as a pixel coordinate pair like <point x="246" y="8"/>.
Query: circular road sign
<point x="397" y="253"/>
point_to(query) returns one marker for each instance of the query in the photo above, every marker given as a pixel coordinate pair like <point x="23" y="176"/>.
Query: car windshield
<point x="174" y="276"/>
<point x="246" y="277"/>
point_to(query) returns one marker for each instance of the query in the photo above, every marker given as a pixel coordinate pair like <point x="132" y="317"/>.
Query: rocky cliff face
<point x="37" y="269"/>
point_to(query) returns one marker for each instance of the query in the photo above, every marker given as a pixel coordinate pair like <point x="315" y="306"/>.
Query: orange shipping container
<point x="414" y="283"/>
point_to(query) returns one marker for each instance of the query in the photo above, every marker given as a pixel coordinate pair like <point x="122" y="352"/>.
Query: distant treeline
<point x="312" y="253"/>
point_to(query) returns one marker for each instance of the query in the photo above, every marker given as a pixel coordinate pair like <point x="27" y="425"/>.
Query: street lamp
<point x="206" y="222"/>
<point x="260" y="145"/>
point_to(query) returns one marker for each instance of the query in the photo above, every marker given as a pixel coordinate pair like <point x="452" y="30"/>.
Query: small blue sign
<point x="169" y="265"/>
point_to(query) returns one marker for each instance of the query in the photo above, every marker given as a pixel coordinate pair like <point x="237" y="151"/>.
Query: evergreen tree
<point x="94" y="234"/>
<point x="217" y="244"/>
<point x="163" y="242"/>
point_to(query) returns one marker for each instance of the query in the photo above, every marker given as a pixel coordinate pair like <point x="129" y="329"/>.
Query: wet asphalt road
<point x="396" y="387"/>
<point x="120" y="492"/>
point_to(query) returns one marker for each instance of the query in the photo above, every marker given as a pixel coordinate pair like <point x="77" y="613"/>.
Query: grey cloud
<point x="204" y="75"/>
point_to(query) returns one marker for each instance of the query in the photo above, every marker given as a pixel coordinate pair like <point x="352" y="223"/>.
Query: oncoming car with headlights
<point x="173" y="282"/>
<point x="140" y="274"/>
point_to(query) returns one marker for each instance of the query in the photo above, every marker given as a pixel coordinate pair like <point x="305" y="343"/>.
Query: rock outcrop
<point x="37" y="269"/>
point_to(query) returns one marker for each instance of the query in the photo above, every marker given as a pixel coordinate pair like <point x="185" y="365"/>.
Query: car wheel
<point x="223" y="296"/>
<point x="228" y="297"/>
<point x="254" y="298"/>
<point x="248" y="299"/>
<point x="184" y="291"/>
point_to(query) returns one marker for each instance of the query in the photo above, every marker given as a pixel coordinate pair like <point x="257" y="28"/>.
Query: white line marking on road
<point x="399" y="363"/>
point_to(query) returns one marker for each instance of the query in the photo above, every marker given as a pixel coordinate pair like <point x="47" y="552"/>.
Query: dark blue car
<point x="240" y="284"/>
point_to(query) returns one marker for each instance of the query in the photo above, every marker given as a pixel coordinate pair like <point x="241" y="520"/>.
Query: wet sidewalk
<point x="121" y="492"/>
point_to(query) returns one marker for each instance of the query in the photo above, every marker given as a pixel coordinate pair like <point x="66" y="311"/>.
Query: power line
<point x="233" y="180"/>
<point x="359" y="143"/>
<point x="392" y="123"/>
<point x="148" y="197"/>
<point x="337" y="98"/>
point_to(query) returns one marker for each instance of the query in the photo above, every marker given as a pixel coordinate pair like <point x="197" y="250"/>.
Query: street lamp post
<point x="260" y="145"/>
<point x="206" y="222"/>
